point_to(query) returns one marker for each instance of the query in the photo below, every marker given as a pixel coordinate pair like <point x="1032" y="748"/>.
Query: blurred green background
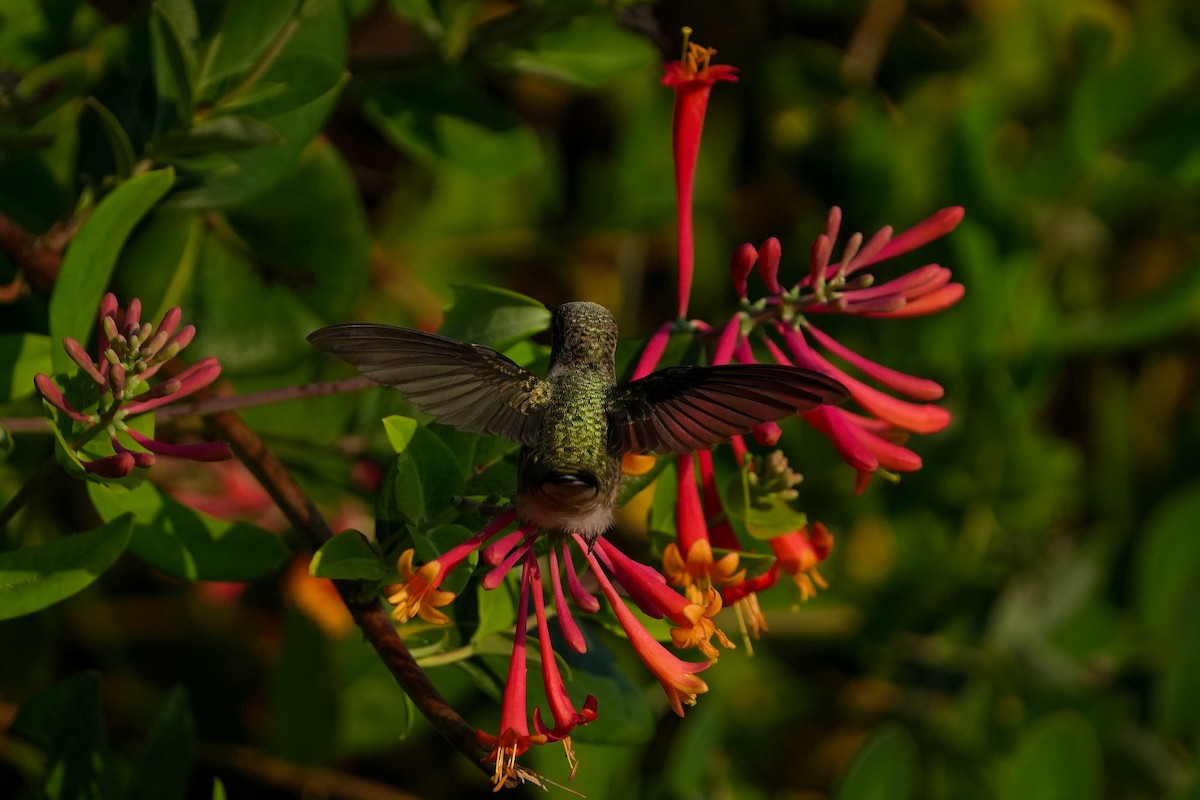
<point x="1016" y="620"/>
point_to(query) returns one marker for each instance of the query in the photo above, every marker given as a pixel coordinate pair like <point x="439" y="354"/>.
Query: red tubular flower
<point x="678" y="677"/>
<point x="653" y="352"/>
<point x="692" y="78"/>
<point x="688" y="562"/>
<point x="693" y="619"/>
<point x="514" y="737"/>
<point x="561" y="707"/>
<point x="800" y="552"/>
<point x="566" y="621"/>
<point x="417" y="594"/>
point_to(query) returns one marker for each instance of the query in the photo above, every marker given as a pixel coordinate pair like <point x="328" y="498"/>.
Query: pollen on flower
<point x="799" y="554"/>
<point x="702" y="629"/>
<point x="699" y="572"/>
<point x="417" y="593"/>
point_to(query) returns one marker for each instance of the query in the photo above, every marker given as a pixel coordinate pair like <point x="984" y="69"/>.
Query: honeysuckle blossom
<point x="692" y="78"/>
<point x="128" y="353"/>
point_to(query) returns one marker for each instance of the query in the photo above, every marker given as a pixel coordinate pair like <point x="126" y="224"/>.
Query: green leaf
<point x="626" y="718"/>
<point x="187" y="544"/>
<point x="441" y="118"/>
<point x="251" y="322"/>
<point x="226" y="133"/>
<point x="124" y="157"/>
<point x="160" y="262"/>
<point x="348" y="556"/>
<point x="165" y="765"/>
<point x="1168" y="558"/>
<point x="36" y="577"/>
<point x="1058" y="758"/>
<point x="329" y="272"/>
<point x="92" y="254"/>
<point x="885" y="768"/>
<point x="765" y="517"/>
<point x="66" y="721"/>
<point x="1177" y="693"/>
<point x="22" y="355"/>
<point x="173" y="64"/>
<point x="218" y="790"/>
<point x="303" y="700"/>
<point x="1171" y="311"/>
<point x="423" y="478"/>
<point x="497" y="611"/>
<point x="588" y="51"/>
<point x="289" y="84"/>
<point x="494" y="317"/>
<point x="244" y="34"/>
<point x="231" y="178"/>
<point x="373" y="713"/>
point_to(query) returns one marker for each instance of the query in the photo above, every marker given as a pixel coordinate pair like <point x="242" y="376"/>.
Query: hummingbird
<point x="576" y="422"/>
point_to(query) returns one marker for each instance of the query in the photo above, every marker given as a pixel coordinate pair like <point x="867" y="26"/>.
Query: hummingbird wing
<point x="471" y="387"/>
<point x="681" y="409"/>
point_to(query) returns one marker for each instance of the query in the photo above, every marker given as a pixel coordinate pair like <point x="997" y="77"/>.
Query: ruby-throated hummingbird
<point x="576" y="423"/>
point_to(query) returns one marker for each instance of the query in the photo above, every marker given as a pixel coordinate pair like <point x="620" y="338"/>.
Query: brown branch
<point x="38" y="258"/>
<point x="368" y="611"/>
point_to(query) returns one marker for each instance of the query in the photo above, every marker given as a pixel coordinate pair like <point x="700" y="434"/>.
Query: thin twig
<point x="217" y="403"/>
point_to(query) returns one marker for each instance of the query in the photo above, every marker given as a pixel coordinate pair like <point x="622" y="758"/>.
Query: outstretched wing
<point x="681" y="409"/>
<point x="470" y="387"/>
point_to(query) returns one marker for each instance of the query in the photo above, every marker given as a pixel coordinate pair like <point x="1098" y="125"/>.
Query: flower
<point x="688" y="562"/>
<point x="800" y="552"/>
<point x="417" y="594"/>
<point x="692" y="78"/>
<point x="129" y="353"/>
<point x="870" y="442"/>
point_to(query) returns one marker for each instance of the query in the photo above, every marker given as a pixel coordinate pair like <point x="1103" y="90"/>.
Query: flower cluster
<point x="128" y="353"/>
<point x="419" y="595"/>
<point x="704" y="564"/>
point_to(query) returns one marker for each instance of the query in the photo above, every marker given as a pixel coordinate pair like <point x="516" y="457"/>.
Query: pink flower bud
<point x="79" y="356"/>
<point x="198" y="451"/>
<point x="740" y="265"/>
<point x="170" y="322"/>
<point x="54" y="396"/>
<point x="133" y="315"/>
<point x="114" y="466"/>
<point x="769" y="256"/>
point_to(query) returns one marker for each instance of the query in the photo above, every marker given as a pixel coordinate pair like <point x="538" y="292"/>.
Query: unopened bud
<point x="740" y="265"/>
<point x="116" y="380"/>
<point x="769" y="256"/>
<point x="79" y="356"/>
<point x="133" y="315"/>
<point x="110" y="328"/>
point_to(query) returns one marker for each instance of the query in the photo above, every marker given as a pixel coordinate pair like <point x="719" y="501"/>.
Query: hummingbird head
<point x="583" y="333"/>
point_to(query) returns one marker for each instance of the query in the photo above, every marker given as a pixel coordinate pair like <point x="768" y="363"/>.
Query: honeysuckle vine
<point x="703" y="569"/>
